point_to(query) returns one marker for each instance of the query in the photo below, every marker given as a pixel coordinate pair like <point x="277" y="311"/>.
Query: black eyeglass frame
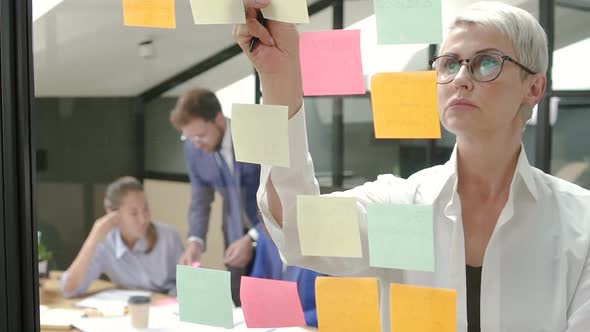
<point x="468" y="60"/>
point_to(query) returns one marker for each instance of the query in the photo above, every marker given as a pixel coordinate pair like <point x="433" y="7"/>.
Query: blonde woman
<point x="506" y="235"/>
<point x="126" y="246"/>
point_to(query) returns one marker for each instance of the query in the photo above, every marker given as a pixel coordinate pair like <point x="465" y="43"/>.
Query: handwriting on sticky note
<point x="289" y="11"/>
<point x="270" y="303"/>
<point x="218" y="12"/>
<point x="149" y="13"/>
<point x="408" y="21"/>
<point x="204" y="296"/>
<point x="348" y="304"/>
<point x="422" y="309"/>
<point x="328" y="226"/>
<point x="331" y="63"/>
<point x="401" y="236"/>
<point x="405" y="105"/>
<point x="260" y="134"/>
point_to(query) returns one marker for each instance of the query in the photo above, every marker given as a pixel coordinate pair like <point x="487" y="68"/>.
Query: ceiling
<point x="81" y="47"/>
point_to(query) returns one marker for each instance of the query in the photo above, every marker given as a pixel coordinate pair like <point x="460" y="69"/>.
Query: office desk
<point x="52" y="298"/>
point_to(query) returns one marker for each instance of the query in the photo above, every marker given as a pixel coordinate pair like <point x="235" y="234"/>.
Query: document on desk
<point x="59" y="319"/>
<point x="111" y="301"/>
<point x="163" y="320"/>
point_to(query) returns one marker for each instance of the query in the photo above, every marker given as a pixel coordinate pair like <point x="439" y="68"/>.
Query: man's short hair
<point x="195" y="104"/>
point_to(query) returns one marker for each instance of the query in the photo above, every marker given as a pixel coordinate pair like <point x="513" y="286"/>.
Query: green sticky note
<point x="401" y="236"/>
<point x="204" y="296"/>
<point x="408" y="21"/>
<point x="260" y="134"/>
<point x="328" y="226"/>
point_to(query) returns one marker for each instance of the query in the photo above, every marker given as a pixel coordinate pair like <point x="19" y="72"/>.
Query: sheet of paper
<point x="149" y="13"/>
<point x="328" y="226"/>
<point x="160" y="320"/>
<point x="218" y="12"/>
<point x="408" y="21"/>
<point x="423" y="309"/>
<point x="261" y="134"/>
<point x="113" y="299"/>
<point x="271" y="303"/>
<point x="401" y="236"/>
<point x="290" y="11"/>
<point x="348" y="304"/>
<point x="331" y="63"/>
<point x="204" y="296"/>
<point x="60" y="318"/>
<point x="405" y="105"/>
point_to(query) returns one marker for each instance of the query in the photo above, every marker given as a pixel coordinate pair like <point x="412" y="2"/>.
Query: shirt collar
<point x="523" y="169"/>
<point x="121" y="248"/>
<point x="226" y="143"/>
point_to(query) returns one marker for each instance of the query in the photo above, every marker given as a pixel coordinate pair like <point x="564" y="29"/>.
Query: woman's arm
<point x="85" y="267"/>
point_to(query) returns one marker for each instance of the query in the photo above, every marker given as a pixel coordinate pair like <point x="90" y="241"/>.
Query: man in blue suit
<point x="212" y="167"/>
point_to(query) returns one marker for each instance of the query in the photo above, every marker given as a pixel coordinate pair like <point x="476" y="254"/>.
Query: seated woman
<point x="126" y="245"/>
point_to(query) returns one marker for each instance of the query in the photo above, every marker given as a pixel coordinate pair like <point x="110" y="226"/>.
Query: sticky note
<point x="270" y="303"/>
<point x="422" y="309"/>
<point x="204" y="296"/>
<point x="289" y="11"/>
<point x="401" y="236"/>
<point x="149" y="13"/>
<point x="405" y="105"/>
<point x="408" y="21"/>
<point x="328" y="226"/>
<point x="348" y="304"/>
<point x="218" y="12"/>
<point x="260" y="134"/>
<point x="331" y="63"/>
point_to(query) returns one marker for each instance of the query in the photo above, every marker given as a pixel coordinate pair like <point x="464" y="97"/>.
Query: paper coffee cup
<point x="139" y="311"/>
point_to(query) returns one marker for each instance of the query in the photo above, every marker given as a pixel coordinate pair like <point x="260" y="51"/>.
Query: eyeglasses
<point x="193" y="139"/>
<point x="483" y="67"/>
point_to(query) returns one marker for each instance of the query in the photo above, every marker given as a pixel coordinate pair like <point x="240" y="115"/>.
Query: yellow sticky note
<point x="290" y="11"/>
<point x="218" y="11"/>
<point x="260" y="134"/>
<point x="149" y="13"/>
<point x="328" y="226"/>
<point x="405" y="105"/>
<point x="348" y="304"/>
<point x="422" y="309"/>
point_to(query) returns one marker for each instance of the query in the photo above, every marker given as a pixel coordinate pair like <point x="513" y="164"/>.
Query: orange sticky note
<point x="348" y="304"/>
<point x="149" y="13"/>
<point x="423" y="309"/>
<point x="405" y="105"/>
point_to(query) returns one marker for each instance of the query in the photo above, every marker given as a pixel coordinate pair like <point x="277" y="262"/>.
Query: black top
<point x="473" y="297"/>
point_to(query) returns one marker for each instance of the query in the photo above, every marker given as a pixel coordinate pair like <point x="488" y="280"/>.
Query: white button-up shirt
<point x="536" y="270"/>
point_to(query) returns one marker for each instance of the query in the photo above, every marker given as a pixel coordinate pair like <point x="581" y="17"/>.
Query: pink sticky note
<point x="270" y="303"/>
<point x="196" y="264"/>
<point x="331" y="63"/>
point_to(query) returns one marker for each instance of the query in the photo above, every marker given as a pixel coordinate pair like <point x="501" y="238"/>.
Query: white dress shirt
<point x="536" y="271"/>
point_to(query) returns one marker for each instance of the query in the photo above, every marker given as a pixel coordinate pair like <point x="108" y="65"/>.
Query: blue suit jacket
<point x="206" y="177"/>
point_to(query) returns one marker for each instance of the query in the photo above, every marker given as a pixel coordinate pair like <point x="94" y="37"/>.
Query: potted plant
<point x="44" y="256"/>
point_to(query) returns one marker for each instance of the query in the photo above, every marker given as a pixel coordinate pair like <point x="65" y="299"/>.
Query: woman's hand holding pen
<point x="275" y="56"/>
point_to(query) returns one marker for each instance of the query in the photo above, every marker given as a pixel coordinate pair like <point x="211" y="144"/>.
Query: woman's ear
<point x="107" y="206"/>
<point x="536" y="89"/>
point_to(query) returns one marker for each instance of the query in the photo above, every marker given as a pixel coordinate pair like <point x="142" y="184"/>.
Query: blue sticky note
<point x="401" y="236"/>
<point x="408" y="21"/>
<point x="204" y="296"/>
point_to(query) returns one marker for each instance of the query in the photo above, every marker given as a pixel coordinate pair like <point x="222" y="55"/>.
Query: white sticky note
<point x="218" y="12"/>
<point x="289" y="11"/>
